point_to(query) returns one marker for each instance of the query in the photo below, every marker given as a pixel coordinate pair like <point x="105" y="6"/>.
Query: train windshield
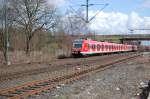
<point x="77" y="44"/>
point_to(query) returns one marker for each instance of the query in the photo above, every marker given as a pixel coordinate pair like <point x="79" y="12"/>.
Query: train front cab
<point x="76" y="48"/>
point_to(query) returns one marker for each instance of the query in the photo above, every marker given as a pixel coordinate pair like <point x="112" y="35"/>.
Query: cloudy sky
<point x="116" y="18"/>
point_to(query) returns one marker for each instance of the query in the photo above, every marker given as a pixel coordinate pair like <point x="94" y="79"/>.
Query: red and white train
<point x="91" y="47"/>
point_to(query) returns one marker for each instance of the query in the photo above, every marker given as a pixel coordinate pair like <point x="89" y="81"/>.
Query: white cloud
<point x="118" y="23"/>
<point x="57" y="2"/>
<point x="146" y="4"/>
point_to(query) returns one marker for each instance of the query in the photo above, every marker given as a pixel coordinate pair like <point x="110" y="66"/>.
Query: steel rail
<point x="10" y="76"/>
<point x="36" y="87"/>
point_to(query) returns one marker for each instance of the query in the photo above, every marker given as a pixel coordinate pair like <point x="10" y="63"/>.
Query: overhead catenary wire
<point x="87" y="5"/>
<point x="135" y="29"/>
<point x="87" y="19"/>
<point x="98" y="12"/>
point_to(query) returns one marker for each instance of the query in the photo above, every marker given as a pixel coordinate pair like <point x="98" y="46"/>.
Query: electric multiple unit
<point x="89" y="47"/>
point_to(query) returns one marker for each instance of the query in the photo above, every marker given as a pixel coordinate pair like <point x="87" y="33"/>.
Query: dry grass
<point x="20" y="57"/>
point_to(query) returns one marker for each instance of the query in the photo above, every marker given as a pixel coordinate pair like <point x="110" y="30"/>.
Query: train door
<point x="117" y="47"/>
<point x="110" y="47"/>
<point x="98" y="48"/>
<point x="103" y="47"/>
<point x="85" y="47"/>
<point x="89" y="48"/>
<point x="106" y="47"/>
<point x="93" y="48"/>
<point x="113" y="47"/>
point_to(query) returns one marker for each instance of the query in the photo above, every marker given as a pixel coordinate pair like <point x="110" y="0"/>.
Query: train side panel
<point x="89" y="47"/>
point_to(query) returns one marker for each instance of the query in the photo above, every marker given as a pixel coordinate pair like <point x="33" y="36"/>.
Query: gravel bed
<point x="4" y="70"/>
<point x="52" y="72"/>
<point x="120" y="82"/>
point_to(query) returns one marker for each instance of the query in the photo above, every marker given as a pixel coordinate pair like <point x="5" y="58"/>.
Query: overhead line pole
<point x="87" y="5"/>
<point x="87" y="11"/>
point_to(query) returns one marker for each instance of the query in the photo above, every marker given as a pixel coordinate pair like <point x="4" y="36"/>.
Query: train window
<point x="102" y="47"/>
<point x="93" y="46"/>
<point x="98" y="47"/>
<point x="110" y="47"/>
<point x="89" y="46"/>
<point x="106" y="46"/>
<point x="77" y="45"/>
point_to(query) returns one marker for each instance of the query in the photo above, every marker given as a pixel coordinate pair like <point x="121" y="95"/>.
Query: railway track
<point x="19" y="74"/>
<point x="36" y="87"/>
<point x="10" y="76"/>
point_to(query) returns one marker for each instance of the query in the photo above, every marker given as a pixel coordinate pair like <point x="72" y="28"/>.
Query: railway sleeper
<point x="42" y="84"/>
<point x="35" y="87"/>
<point x="16" y="92"/>
<point x="12" y="93"/>
<point x="20" y="90"/>
<point x="29" y="88"/>
<point x="7" y="95"/>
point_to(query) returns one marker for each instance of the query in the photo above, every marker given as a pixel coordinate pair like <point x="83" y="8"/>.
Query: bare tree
<point x="6" y="20"/>
<point x="1" y="27"/>
<point x="4" y="29"/>
<point x="74" y="22"/>
<point x="33" y="16"/>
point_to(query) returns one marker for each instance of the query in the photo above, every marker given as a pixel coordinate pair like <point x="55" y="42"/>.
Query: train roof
<point x="93" y="41"/>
